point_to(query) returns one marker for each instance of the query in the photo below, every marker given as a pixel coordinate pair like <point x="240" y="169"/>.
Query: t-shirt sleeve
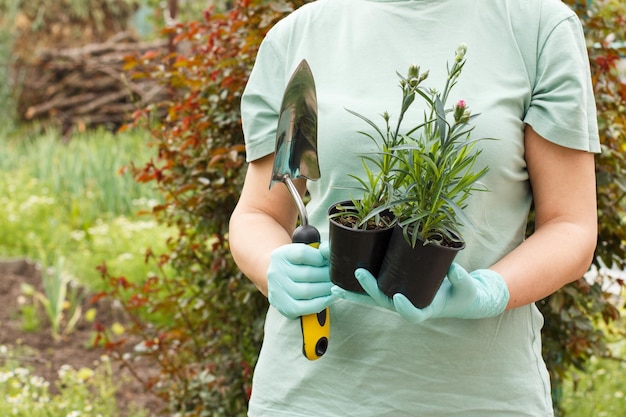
<point x="261" y="100"/>
<point x="562" y="107"/>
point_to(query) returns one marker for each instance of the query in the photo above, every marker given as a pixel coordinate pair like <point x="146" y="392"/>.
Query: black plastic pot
<point x="415" y="272"/>
<point x="354" y="248"/>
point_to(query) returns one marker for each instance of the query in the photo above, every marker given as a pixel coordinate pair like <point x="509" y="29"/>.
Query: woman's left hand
<point x="479" y="294"/>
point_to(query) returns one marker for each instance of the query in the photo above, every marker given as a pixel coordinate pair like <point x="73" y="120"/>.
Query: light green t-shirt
<point x="526" y="64"/>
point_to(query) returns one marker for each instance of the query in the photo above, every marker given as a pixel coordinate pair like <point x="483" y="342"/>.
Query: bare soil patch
<point x="47" y="355"/>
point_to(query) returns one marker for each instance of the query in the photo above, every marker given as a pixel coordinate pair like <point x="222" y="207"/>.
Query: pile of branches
<point x="86" y="86"/>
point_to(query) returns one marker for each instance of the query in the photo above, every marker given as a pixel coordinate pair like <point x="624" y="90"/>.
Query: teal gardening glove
<point x="298" y="280"/>
<point x="479" y="294"/>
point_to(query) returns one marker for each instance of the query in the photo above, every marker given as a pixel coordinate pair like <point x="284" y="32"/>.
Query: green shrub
<point x="578" y="318"/>
<point x="209" y="343"/>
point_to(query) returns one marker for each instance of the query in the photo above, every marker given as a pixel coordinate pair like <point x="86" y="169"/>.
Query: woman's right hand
<point x="298" y="280"/>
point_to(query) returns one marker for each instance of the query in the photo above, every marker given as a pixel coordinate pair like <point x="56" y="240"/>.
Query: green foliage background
<point x="7" y="105"/>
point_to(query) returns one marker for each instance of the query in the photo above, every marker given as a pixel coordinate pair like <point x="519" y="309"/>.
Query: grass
<point x="600" y="391"/>
<point x="84" y="173"/>
<point x="70" y="206"/>
<point x="73" y="200"/>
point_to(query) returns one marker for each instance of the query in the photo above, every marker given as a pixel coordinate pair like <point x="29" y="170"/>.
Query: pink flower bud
<point x="461" y="112"/>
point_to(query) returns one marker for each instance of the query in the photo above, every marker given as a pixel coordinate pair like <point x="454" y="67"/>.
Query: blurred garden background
<point x="121" y="158"/>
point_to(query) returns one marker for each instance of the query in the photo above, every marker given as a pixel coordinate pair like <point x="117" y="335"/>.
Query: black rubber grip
<point x="305" y="234"/>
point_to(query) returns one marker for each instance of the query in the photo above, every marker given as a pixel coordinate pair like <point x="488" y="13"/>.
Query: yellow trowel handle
<point x="315" y="327"/>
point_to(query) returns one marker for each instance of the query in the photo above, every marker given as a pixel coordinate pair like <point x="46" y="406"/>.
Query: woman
<point x="527" y="74"/>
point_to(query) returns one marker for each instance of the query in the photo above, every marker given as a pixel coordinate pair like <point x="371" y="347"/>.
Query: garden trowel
<point x="295" y="156"/>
